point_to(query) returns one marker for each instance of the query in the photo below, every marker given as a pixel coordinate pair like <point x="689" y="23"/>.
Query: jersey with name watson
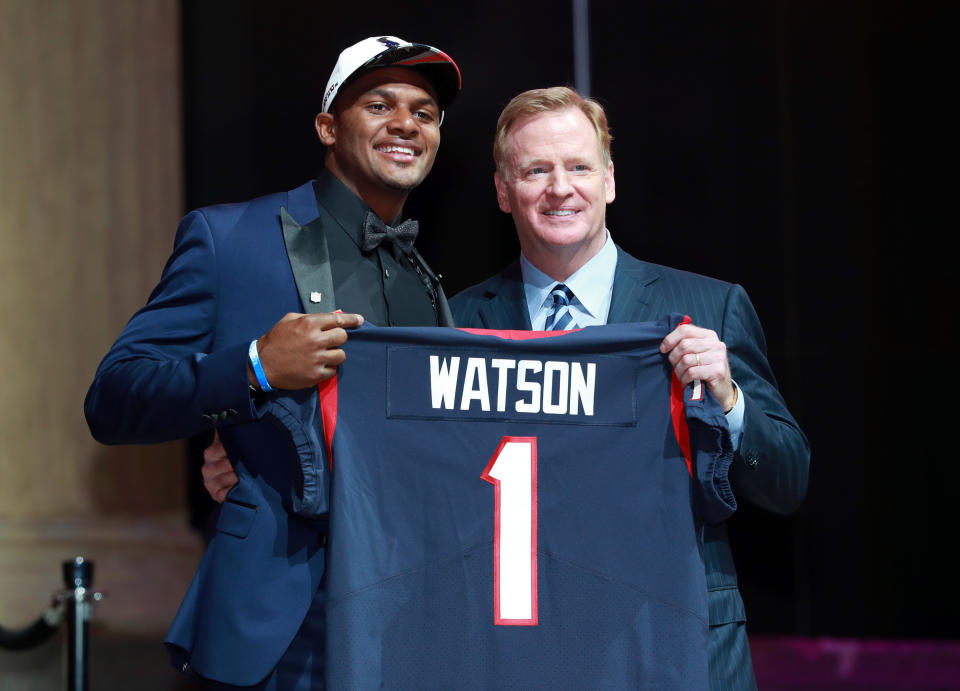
<point x="512" y="509"/>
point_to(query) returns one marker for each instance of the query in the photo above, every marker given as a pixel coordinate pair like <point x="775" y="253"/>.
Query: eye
<point x="424" y="116"/>
<point x="538" y="170"/>
<point x="581" y="168"/>
<point x="377" y="107"/>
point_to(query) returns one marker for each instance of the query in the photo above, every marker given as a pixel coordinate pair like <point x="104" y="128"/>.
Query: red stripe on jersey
<point x="678" y="414"/>
<point x="516" y="334"/>
<point x="328" y="413"/>
<point x="680" y="429"/>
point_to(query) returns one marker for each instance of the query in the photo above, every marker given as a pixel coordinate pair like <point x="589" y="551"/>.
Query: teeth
<point x="560" y="212"/>
<point x="396" y="149"/>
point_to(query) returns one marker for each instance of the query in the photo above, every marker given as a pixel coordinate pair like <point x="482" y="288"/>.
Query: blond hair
<point x="536" y="101"/>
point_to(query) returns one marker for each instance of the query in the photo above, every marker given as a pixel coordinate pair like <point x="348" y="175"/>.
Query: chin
<point x="402" y="186"/>
<point x="562" y="238"/>
<point x="403" y="183"/>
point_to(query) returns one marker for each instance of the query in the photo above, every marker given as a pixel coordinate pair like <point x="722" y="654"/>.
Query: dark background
<point x="804" y="149"/>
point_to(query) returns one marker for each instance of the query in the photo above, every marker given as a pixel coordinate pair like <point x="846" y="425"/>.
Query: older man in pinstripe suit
<point x="555" y="177"/>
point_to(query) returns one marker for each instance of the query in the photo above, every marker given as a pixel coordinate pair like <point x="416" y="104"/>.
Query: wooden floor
<point x="130" y="664"/>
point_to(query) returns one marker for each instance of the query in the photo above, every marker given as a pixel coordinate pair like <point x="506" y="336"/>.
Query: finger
<point x="218" y="486"/>
<point x="686" y="366"/>
<point x="697" y="359"/>
<point x="334" y="358"/>
<point x="227" y="479"/>
<point x="211" y="469"/>
<point x="214" y="452"/>
<point x="336" y="320"/>
<point x="216" y="491"/>
<point x="324" y="373"/>
<point x="331" y="338"/>
<point x="685" y="332"/>
<point x="670" y="341"/>
<point x="328" y="369"/>
<point x="709" y="348"/>
<point x="349" y="321"/>
<point x="686" y="351"/>
<point x="220" y="493"/>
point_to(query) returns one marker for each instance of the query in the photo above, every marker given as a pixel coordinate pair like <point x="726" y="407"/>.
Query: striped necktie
<point x="560" y="318"/>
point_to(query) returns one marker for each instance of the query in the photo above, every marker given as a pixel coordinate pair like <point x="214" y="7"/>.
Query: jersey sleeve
<point x="301" y="415"/>
<point x="711" y="453"/>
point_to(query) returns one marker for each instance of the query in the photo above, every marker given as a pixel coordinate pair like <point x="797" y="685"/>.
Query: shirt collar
<point x="591" y="283"/>
<point x="342" y="204"/>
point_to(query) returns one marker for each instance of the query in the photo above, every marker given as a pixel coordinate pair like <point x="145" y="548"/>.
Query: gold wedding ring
<point x="698" y="359"/>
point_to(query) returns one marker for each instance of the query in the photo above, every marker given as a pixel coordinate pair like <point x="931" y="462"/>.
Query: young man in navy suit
<point x="555" y="176"/>
<point x="248" y="302"/>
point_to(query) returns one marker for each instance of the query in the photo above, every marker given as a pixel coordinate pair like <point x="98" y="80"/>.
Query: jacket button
<point x="752" y="460"/>
<point x="208" y="418"/>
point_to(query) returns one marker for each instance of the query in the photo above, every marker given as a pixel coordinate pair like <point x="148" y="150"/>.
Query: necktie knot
<point x="400" y="238"/>
<point x="560" y="318"/>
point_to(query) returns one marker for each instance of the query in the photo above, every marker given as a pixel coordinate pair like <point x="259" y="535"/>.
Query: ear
<point x="324" y="126"/>
<point x="503" y="199"/>
<point x="610" y="184"/>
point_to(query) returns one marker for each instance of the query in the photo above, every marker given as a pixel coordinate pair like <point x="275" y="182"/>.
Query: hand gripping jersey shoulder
<point x="512" y="512"/>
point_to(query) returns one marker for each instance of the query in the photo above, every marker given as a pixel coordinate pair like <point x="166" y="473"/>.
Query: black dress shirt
<point x="386" y="292"/>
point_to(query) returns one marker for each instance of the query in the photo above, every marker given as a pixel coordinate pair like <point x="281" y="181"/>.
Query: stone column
<point x="90" y="195"/>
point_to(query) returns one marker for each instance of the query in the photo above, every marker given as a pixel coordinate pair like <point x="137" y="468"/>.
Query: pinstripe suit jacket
<point x="771" y="466"/>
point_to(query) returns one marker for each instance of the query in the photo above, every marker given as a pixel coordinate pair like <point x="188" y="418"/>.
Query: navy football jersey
<point x="512" y="509"/>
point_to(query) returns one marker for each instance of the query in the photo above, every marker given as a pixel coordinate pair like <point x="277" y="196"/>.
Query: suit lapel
<point x="635" y="295"/>
<point x="506" y="306"/>
<point x="308" y="255"/>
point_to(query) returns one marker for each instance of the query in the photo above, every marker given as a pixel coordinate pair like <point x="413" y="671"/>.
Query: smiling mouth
<point x="394" y="149"/>
<point x="561" y="212"/>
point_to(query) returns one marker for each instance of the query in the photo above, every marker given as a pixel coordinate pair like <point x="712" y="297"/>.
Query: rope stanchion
<point x="73" y="603"/>
<point x="77" y="579"/>
<point x="38" y="632"/>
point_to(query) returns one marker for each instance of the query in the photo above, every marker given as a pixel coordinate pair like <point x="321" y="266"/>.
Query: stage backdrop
<point x="800" y="149"/>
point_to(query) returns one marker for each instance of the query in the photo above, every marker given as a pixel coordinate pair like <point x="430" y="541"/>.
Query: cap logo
<point x="387" y="42"/>
<point x="326" y="96"/>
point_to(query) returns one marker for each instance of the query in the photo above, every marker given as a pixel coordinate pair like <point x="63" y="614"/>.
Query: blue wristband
<point x="257" y="367"/>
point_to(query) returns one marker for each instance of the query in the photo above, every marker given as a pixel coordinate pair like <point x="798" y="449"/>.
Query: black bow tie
<point x="400" y="238"/>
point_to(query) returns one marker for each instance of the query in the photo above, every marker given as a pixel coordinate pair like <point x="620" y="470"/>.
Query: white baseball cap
<point x="384" y="51"/>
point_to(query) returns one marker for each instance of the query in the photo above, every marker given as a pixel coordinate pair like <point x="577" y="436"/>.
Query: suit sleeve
<point x="772" y="465"/>
<point x="161" y="380"/>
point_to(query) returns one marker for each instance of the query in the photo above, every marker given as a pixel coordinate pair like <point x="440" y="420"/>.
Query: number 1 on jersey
<point x="513" y="473"/>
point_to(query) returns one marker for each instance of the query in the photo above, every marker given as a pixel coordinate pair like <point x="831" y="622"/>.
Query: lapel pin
<point x="315" y="296"/>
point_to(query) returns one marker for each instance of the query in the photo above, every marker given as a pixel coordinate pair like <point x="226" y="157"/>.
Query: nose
<point x="559" y="183"/>
<point x="402" y="123"/>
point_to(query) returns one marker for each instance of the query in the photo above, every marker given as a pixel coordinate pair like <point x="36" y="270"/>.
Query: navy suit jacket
<point x="771" y="467"/>
<point x="179" y="369"/>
